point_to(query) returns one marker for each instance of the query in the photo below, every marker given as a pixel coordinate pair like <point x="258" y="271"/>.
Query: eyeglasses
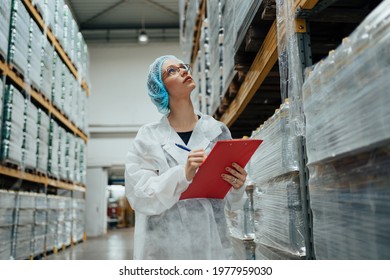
<point x="172" y="70"/>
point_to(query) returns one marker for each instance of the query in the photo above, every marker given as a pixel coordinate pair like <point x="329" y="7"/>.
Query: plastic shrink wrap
<point x="204" y="66"/>
<point x="30" y="134"/>
<point x="62" y="153"/>
<point x="58" y="29"/>
<point x="347" y="136"/>
<point x="52" y="225"/>
<point x="189" y="11"/>
<point x="67" y="92"/>
<point x="229" y="37"/>
<point x="82" y="60"/>
<point x="70" y="157"/>
<point x="47" y="53"/>
<point x="350" y="204"/>
<point x="213" y="49"/>
<point x="59" y="217"/>
<point x="40" y="223"/>
<point x="83" y="162"/>
<point x="277" y="155"/>
<point x="76" y="172"/>
<point x="43" y="140"/>
<point x="78" y="222"/>
<point x="12" y="126"/>
<point x="196" y="93"/>
<point x="5" y="17"/>
<point x="19" y="36"/>
<point x="278" y="215"/>
<point x="24" y="225"/>
<point x="7" y="208"/>
<point x="46" y="8"/>
<point x="27" y="133"/>
<point x="57" y="80"/>
<point x="34" y="55"/>
<point x="67" y="224"/>
<point x="54" y="143"/>
<point x="290" y="66"/>
<point x="68" y="17"/>
<point x="241" y="227"/>
<point x="346" y="96"/>
<point x="83" y="112"/>
<point x="277" y="204"/>
<point x="80" y="161"/>
<point x="223" y="31"/>
<point x="243" y="249"/>
<point x="264" y="252"/>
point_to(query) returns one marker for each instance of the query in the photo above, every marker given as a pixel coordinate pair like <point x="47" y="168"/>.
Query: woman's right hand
<point x="194" y="160"/>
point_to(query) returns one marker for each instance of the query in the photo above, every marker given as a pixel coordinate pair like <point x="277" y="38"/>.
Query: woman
<point x="158" y="171"/>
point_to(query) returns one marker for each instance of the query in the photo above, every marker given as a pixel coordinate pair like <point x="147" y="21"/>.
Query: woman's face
<point x="177" y="78"/>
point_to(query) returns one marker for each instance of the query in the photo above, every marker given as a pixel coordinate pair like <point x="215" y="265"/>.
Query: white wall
<point x="119" y="104"/>
<point x="117" y="107"/>
<point x="96" y="202"/>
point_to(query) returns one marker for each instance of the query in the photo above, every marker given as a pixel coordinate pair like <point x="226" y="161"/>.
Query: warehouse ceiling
<point x="122" y="20"/>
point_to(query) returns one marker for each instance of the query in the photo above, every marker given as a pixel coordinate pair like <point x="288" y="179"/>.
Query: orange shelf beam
<point x="261" y="66"/>
<point x="305" y="4"/>
<point x="40" y="179"/>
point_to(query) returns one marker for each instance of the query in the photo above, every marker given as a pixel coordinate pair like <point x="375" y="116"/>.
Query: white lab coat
<point x="166" y="227"/>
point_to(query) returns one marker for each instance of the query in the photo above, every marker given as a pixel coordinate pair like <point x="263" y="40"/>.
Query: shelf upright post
<point x="305" y="55"/>
<point x="294" y="56"/>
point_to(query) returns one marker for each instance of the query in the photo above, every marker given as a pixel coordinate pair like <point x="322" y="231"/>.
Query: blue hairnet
<point x="156" y="88"/>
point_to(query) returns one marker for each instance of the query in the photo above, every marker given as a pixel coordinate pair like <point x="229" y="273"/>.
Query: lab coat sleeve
<point x="149" y="192"/>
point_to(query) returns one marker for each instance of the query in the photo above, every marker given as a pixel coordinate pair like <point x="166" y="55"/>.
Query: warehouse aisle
<point x="117" y="244"/>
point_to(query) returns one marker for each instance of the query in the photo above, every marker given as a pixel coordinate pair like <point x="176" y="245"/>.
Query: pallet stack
<point x="12" y="126"/>
<point x="277" y="202"/>
<point x="218" y="38"/>
<point x="44" y="82"/>
<point x="23" y="236"/>
<point x="7" y="209"/>
<point x="345" y="101"/>
<point x="5" y="17"/>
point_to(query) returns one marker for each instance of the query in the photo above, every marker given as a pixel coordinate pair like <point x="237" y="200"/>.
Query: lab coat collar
<point x="205" y="131"/>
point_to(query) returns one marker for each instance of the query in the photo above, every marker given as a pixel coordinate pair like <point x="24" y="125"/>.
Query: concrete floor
<point x="117" y="244"/>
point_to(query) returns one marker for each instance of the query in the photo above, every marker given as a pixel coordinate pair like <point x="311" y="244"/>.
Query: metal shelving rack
<point x="7" y="71"/>
<point x="27" y="180"/>
<point x="262" y="67"/>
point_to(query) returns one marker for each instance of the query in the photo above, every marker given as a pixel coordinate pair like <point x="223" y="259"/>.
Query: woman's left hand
<point x="236" y="177"/>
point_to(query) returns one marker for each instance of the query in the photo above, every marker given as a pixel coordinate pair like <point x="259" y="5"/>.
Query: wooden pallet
<point x="10" y="163"/>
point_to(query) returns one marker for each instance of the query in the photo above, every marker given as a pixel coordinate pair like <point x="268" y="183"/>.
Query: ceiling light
<point x="143" y="37"/>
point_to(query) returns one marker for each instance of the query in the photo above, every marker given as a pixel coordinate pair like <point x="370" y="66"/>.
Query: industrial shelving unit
<point x="277" y="46"/>
<point x="16" y="79"/>
<point x="19" y="179"/>
<point x="351" y="24"/>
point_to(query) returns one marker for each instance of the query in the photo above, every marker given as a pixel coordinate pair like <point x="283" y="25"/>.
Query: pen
<point x="183" y="147"/>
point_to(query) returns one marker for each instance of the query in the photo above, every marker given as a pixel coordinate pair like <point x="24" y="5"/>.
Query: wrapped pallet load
<point x="345" y="99"/>
<point x="277" y="202"/>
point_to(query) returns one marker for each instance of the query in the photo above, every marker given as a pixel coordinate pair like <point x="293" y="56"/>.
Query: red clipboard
<point x="207" y="182"/>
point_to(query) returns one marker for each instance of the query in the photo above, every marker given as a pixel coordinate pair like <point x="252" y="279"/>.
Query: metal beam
<point x="110" y="8"/>
<point x="162" y="7"/>
<point x="305" y="12"/>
